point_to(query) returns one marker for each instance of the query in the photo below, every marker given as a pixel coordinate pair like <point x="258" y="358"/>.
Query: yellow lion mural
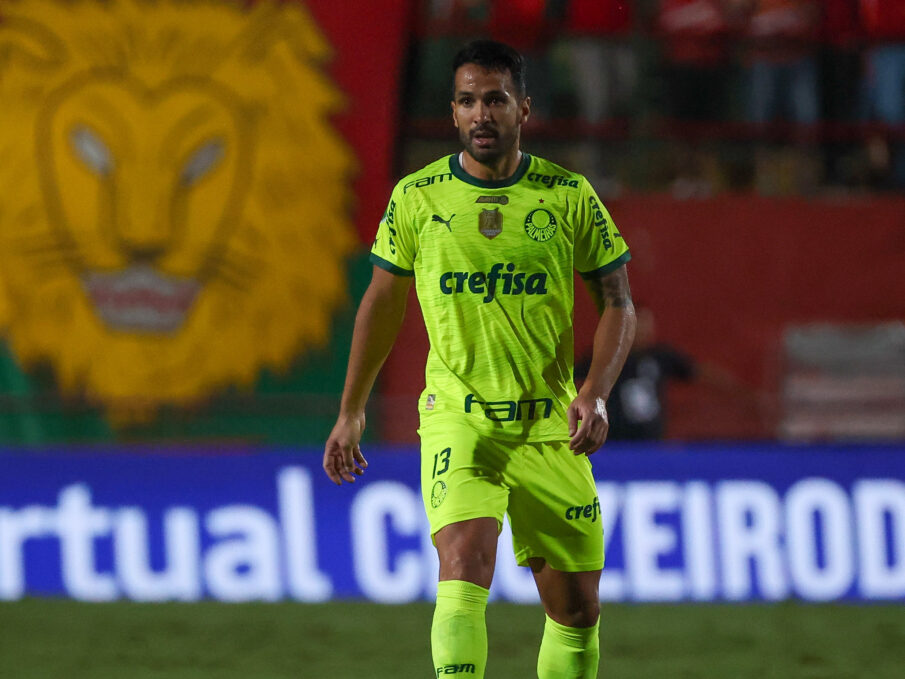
<point x="174" y="213"/>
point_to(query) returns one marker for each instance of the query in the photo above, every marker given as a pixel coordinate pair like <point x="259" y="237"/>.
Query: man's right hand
<point x="343" y="460"/>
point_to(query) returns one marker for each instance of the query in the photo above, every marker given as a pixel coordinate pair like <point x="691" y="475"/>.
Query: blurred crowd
<point x="785" y="96"/>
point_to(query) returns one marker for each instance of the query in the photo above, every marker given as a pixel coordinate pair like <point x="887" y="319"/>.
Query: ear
<point x="29" y="44"/>
<point x="452" y="105"/>
<point x="272" y="23"/>
<point x="525" y="110"/>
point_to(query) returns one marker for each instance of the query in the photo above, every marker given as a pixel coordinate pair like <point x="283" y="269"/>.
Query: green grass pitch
<point x="50" y="639"/>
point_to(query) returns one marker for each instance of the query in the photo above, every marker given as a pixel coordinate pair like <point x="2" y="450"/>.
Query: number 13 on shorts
<point x="441" y="462"/>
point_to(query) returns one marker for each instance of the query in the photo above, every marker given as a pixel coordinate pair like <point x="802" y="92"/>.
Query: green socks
<point x="459" y="638"/>
<point x="568" y="652"/>
<point x="459" y="633"/>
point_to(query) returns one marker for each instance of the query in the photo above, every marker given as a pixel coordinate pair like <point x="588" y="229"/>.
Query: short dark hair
<point x="494" y="56"/>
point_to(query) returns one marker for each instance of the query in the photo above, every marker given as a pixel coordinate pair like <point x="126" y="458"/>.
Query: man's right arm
<point x="377" y="324"/>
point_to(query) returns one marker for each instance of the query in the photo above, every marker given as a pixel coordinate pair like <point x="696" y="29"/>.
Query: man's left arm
<point x="612" y="341"/>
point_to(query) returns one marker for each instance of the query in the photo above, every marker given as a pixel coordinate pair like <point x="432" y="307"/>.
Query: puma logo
<point x="438" y="218"/>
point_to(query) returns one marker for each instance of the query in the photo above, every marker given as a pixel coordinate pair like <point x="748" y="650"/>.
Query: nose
<point x="142" y="224"/>
<point x="482" y="112"/>
<point x="145" y="252"/>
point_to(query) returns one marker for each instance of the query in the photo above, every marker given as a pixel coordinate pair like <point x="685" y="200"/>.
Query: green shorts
<point x="548" y="492"/>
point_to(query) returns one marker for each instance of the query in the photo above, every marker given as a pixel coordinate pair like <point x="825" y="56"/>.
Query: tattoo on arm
<point x="611" y="291"/>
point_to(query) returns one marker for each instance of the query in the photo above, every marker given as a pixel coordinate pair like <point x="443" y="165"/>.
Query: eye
<point x="91" y="150"/>
<point x="202" y="161"/>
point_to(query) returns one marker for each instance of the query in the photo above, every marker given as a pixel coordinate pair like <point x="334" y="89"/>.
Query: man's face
<point x="487" y="112"/>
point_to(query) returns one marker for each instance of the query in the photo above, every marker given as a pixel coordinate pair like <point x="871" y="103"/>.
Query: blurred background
<point x="753" y="153"/>
<point x="188" y="191"/>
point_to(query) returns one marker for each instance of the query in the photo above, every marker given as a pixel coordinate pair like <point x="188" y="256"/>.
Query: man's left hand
<point x="590" y="411"/>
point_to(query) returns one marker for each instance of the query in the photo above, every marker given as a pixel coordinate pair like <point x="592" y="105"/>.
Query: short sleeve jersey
<point x="493" y="264"/>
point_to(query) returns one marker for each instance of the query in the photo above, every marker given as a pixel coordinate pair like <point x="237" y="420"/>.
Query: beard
<point x="501" y="146"/>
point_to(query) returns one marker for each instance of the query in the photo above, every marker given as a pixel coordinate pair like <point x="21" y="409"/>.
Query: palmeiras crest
<point x="490" y="222"/>
<point x="540" y="225"/>
<point x="438" y="494"/>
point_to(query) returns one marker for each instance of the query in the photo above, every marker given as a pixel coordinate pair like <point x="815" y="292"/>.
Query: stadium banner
<point x="694" y="523"/>
<point x="236" y="168"/>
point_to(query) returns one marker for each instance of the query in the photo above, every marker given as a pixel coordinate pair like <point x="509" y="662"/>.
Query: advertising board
<point x="703" y="523"/>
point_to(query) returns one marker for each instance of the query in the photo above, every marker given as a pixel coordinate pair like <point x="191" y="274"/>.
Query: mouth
<point x="140" y="298"/>
<point x="483" y="137"/>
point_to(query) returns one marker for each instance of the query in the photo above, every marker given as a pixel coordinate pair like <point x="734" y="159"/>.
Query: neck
<point x="502" y="168"/>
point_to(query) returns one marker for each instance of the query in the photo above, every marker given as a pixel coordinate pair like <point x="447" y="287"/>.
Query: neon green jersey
<point x="493" y="265"/>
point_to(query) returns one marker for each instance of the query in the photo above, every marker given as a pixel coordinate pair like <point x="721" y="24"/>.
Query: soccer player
<point x="491" y="237"/>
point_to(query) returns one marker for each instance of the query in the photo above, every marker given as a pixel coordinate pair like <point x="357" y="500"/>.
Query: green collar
<point x="459" y="173"/>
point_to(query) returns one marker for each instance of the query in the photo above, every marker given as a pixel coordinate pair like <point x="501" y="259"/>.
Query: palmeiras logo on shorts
<point x="438" y="494"/>
<point x="490" y="223"/>
<point x="540" y="224"/>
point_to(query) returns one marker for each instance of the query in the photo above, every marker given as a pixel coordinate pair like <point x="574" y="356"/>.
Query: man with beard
<point x="491" y="236"/>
